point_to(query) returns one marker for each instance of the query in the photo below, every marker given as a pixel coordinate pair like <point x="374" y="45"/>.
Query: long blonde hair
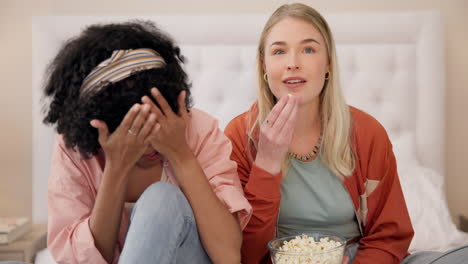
<point x="336" y="152"/>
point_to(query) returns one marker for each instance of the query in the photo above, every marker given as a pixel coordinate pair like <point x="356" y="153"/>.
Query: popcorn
<point x="311" y="251"/>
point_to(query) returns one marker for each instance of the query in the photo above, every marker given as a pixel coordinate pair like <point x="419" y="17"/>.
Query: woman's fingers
<point x="284" y="115"/>
<point x="139" y="120"/>
<point x="153" y="108"/>
<point x="275" y="112"/>
<point x="290" y="122"/>
<point x="103" y="131"/>
<point x="147" y="127"/>
<point x="182" y="107"/>
<point x="153" y="135"/>
<point x="127" y="122"/>
<point x="276" y="137"/>
<point x="165" y="108"/>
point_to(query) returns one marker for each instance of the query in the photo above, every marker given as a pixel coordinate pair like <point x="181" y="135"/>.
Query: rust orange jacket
<point x="374" y="188"/>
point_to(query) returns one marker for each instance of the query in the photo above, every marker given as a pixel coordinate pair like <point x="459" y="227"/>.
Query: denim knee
<point x="162" y="198"/>
<point x="163" y="229"/>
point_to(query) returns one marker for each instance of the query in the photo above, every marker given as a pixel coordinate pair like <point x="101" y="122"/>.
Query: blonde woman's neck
<point x="307" y="130"/>
<point x="308" y="119"/>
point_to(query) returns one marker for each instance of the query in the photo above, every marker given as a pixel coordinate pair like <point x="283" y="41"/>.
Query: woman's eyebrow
<point x="309" y="40"/>
<point x="283" y="43"/>
<point x="279" y="43"/>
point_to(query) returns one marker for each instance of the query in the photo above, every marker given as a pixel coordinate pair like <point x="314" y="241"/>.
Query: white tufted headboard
<point x="392" y="66"/>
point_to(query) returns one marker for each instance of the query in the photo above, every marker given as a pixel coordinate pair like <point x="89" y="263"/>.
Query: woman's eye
<point x="309" y="50"/>
<point x="278" y="52"/>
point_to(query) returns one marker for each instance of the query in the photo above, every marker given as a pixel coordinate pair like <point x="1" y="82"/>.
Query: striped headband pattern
<point x="121" y="65"/>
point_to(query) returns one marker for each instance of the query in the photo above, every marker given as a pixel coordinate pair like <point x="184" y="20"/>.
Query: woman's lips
<point x="294" y="82"/>
<point x="153" y="156"/>
<point x="294" y="85"/>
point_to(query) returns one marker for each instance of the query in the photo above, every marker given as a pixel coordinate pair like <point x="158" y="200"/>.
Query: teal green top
<point x="314" y="199"/>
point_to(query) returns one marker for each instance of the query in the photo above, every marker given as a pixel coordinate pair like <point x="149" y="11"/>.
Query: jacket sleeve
<point x="70" y="201"/>
<point x="262" y="190"/>
<point x="388" y="230"/>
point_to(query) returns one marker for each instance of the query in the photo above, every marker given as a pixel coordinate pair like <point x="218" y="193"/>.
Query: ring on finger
<point x="132" y="133"/>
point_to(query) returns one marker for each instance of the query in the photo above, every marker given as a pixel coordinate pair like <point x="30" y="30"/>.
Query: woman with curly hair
<point x="136" y="177"/>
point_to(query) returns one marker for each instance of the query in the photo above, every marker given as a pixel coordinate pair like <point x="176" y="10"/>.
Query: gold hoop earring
<point x="265" y="77"/>
<point x="327" y="76"/>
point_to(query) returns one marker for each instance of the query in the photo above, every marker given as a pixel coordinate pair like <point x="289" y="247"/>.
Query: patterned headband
<point x="121" y="65"/>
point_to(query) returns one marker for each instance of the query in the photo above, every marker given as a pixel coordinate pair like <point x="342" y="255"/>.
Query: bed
<point x="392" y="66"/>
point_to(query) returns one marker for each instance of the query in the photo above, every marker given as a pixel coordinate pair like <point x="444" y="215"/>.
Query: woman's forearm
<point x="106" y="214"/>
<point x="219" y="230"/>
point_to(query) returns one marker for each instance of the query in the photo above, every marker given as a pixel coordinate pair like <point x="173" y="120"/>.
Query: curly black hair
<point x="80" y="55"/>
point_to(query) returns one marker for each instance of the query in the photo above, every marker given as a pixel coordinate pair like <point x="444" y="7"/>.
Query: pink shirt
<point x="74" y="182"/>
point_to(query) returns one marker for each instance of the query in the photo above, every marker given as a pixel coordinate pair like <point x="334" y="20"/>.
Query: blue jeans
<point x="163" y="229"/>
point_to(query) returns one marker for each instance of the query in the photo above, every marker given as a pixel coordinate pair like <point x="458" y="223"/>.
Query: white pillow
<point x="423" y="189"/>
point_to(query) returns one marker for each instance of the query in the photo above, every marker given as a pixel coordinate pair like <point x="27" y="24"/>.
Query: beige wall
<point x="15" y="76"/>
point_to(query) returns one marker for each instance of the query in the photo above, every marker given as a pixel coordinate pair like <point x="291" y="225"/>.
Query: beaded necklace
<point x="311" y="154"/>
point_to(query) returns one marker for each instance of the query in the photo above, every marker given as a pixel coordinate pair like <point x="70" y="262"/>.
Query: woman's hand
<point x="168" y="135"/>
<point x="276" y="135"/>
<point x="126" y="144"/>
<point x="123" y="148"/>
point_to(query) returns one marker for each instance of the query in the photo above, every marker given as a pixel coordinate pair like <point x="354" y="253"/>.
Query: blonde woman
<point x="309" y="162"/>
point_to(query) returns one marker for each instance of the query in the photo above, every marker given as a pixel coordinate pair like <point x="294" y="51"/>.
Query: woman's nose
<point x="293" y="63"/>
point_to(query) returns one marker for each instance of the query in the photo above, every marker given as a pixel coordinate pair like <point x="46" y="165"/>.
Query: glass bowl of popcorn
<point x="309" y="248"/>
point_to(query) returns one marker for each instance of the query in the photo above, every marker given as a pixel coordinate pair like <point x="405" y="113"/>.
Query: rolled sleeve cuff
<point x="235" y="202"/>
<point x="370" y="256"/>
<point x="263" y="184"/>
<point x="84" y="245"/>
